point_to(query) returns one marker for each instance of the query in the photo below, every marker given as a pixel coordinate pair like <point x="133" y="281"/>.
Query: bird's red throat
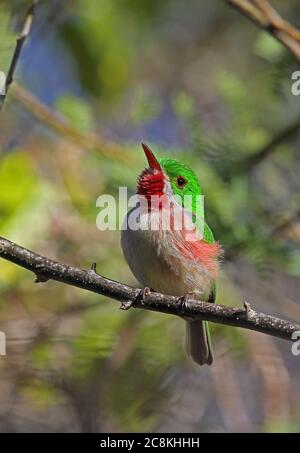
<point x="151" y="183"/>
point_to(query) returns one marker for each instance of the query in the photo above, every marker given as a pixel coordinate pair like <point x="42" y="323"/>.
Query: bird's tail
<point x="198" y="344"/>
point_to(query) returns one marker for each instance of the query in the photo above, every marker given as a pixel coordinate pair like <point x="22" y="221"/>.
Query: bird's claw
<point x="182" y="302"/>
<point x="144" y="293"/>
<point x="126" y="304"/>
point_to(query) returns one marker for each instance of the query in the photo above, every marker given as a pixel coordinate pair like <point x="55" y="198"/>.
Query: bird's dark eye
<point x="181" y="182"/>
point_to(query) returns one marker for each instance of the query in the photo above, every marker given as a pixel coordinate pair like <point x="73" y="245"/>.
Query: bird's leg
<point x="145" y="292"/>
<point x="182" y="302"/>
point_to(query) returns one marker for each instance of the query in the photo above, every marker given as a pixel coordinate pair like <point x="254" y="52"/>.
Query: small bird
<point x="175" y="261"/>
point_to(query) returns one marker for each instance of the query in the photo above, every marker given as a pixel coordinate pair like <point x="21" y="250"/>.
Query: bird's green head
<point x="168" y="177"/>
<point x="182" y="178"/>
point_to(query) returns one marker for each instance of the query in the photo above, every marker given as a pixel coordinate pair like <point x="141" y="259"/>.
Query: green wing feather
<point x="209" y="237"/>
<point x="208" y="234"/>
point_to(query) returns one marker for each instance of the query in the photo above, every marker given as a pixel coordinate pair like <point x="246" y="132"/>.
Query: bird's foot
<point x="182" y="305"/>
<point x="143" y="294"/>
<point x="182" y="302"/>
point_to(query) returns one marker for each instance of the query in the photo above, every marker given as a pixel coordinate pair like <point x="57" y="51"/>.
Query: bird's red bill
<point x="152" y="161"/>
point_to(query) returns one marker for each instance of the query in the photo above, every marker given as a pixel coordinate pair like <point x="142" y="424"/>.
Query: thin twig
<point x="59" y="124"/>
<point x="249" y="163"/>
<point x="47" y="269"/>
<point x="286" y="225"/>
<point x="262" y="14"/>
<point x="18" y="48"/>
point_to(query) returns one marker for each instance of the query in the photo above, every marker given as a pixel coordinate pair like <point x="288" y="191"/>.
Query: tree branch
<point x="47" y="269"/>
<point x="60" y="125"/>
<point x="249" y="163"/>
<point x="17" y="52"/>
<point x="266" y="17"/>
<point x="55" y="121"/>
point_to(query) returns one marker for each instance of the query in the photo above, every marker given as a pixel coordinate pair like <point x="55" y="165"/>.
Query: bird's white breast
<point x="157" y="263"/>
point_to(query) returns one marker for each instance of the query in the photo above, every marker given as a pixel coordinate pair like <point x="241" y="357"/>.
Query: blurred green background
<point x="194" y="80"/>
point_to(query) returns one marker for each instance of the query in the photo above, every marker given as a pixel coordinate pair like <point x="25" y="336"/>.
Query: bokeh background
<point x="194" y="80"/>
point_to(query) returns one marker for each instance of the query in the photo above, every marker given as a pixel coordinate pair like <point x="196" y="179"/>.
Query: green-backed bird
<point x="175" y="261"/>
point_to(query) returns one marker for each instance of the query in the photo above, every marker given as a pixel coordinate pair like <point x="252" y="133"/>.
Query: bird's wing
<point x="208" y="234"/>
<point x="209" y="237"/>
